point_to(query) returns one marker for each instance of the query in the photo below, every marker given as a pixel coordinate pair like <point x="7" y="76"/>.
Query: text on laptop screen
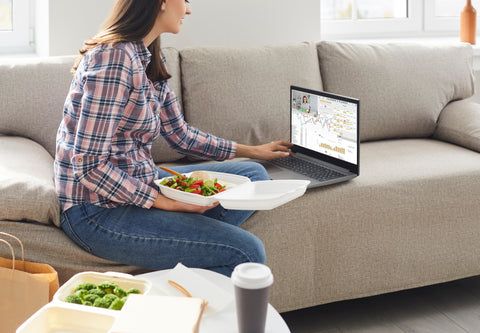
<point x="324" y="124"/>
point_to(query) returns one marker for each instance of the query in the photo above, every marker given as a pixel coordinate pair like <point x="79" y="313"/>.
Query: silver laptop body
<point x="324" y="129"/>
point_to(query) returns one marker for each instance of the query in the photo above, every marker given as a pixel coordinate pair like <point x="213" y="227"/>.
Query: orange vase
<point x="468" y="23"/>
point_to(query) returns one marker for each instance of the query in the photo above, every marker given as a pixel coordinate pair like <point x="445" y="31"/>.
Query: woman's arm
<point x="184" y="138"/>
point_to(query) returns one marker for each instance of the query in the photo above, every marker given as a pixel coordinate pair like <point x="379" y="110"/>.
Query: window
<point x="364" y="9"/>
<point x="444" y="15"/>
<point x="366" y="18"/>
<point x="391" y="18"/>
<point x="6" y="15"/>
<point x="15" y="26"/>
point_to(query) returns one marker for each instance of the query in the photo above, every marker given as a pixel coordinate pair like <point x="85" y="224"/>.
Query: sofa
<point x="412" y="217"/>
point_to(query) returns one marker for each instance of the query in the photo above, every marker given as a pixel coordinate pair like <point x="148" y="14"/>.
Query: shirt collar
<point x="143" y="52"/>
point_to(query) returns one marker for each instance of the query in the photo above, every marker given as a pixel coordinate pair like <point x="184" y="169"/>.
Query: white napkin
<point x="197" y="286"/>
<point x="146" y="314"/>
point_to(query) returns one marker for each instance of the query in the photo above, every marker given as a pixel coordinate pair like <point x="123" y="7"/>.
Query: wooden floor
<point x="451" y="307"/>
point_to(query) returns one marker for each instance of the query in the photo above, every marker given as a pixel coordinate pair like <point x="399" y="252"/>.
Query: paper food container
<point x="124" y="281"/>
<point x="241" y="193"/>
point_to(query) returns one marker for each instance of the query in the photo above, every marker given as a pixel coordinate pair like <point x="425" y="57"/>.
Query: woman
<point x="119" y="102"/>
<point x="305" y="105"/>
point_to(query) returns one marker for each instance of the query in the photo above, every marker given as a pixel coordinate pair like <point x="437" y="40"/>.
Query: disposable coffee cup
<point x="252" y="283"/>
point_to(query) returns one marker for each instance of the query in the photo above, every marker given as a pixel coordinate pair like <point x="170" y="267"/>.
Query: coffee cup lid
<point x="252" y="276"/>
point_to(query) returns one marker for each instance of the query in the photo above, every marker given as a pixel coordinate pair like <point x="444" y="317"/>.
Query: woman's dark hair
<point x="131" y="20"/>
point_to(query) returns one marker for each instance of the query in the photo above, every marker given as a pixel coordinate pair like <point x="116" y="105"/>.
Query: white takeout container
<point x="242" y="194"/>
<point x="229" y="180"/>
<point x="59" y="316"/>
<point x="124" y="281"/>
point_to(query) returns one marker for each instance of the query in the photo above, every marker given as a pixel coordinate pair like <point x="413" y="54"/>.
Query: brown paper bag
<point x="24" y="288"/>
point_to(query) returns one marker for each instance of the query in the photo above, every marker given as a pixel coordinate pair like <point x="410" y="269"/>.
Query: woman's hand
<point x="164" y="203"/>
<point x="266" y="151"/>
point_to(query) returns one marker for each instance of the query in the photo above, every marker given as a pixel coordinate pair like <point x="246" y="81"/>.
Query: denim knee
<point x="255" y="249"/>
<point x="250" y="250"/>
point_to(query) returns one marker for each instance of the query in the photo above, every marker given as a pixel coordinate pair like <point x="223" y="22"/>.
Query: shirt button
<point x="80" y="160"/>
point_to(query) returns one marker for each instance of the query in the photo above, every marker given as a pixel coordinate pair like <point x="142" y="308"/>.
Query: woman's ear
<point x="162" y="5"/>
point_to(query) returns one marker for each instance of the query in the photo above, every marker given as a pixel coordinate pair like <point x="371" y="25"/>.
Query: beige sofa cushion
<point x="410" y="219"/>
<point x="402" y="87"/>
<point x="27" y="190"/>
<point x="33" y="93"/>
<point x="251" y="85"/>
<point x="160" y="150"/>
<point x="459" y="123"/>
<point x="49" y="244"/>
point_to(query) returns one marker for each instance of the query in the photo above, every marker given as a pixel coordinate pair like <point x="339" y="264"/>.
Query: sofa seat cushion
<point x="49" y="244"/>
<point x="243" y="93"/>
<point x="402" y="87"/>
<point x="408" y="220"/>
<point x="27" y="190"/>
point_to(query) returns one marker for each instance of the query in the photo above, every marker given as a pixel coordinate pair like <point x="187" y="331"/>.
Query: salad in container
<point x="232" y="191"/>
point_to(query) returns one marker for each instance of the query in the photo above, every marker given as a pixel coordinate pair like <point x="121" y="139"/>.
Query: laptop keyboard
<point x="307" y="168"/>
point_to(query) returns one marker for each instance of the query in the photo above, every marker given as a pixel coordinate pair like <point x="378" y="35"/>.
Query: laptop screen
<point x="325" y="123"/>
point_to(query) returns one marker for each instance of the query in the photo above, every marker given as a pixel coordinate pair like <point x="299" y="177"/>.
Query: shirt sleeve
<point x="107" y="83"/>
<point x="185" y="138"/>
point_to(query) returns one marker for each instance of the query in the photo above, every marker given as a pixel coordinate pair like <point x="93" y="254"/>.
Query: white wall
<point x="248" y="22"/>
<point x="42" y="27"/>
<point x="63" y="25"/>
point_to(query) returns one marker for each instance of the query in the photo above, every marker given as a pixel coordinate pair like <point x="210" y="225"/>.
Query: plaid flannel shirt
<point x="111" y="116"/>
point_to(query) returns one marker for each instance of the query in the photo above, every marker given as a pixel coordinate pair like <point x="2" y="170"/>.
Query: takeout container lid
<point x="54" y="318"/>
<point x="243" y="194"/>
<point x="263" y="195"/>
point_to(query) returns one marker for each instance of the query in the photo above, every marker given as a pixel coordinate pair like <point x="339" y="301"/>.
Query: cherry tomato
<point x="199" y="182"/>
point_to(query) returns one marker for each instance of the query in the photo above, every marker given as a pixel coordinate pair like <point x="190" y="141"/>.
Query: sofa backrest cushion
<point x="243" y="94"/>
<point x="402" y="87"/>
<point x="160" y="150"/>
<point x="33" y="93"/>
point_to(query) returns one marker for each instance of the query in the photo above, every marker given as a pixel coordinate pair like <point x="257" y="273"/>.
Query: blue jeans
<point x="156" y="239"/>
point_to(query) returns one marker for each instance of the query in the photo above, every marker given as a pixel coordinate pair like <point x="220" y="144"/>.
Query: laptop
<point x="324" y="129"/>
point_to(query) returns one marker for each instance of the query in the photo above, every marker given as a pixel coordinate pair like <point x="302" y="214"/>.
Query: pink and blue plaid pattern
<point x="111" y="116"/>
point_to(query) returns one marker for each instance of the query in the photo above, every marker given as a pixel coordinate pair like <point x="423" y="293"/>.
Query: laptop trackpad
<point x="277" y="172"/>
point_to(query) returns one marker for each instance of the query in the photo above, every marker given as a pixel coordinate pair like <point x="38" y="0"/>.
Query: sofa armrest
<point x="459" y="123"/>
